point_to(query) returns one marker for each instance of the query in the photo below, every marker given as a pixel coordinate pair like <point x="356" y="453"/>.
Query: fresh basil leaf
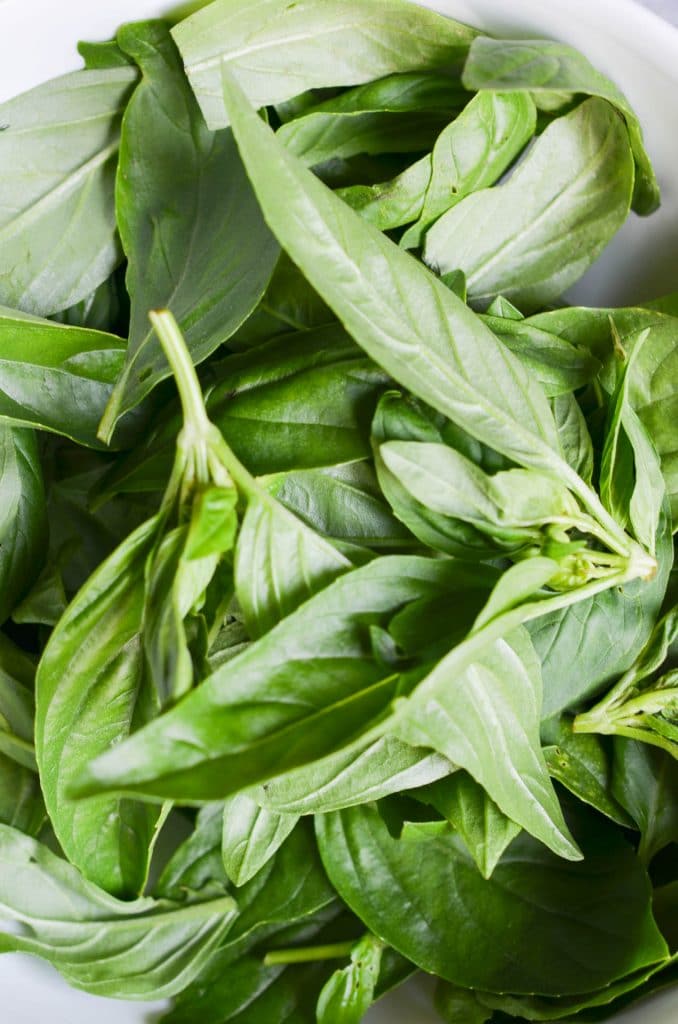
<point x="350" y="992"/>
<point x="320" y="653"/>
<point x="575" y="439"/>
<point x="645" y="782"/>
<point x="459" y="1005"/>
<point x="473" y="152"/>
<point x="103" y="55"/>
<point x="56" y="377"/>
<point x="364" y="41"/>
<point x="17" y="711"/>
<point x="58" y="153"/>
<point x="555" y="909"/>
<point x="21" y="803"/>
<point x="170" y="162"/>
<point x="581" y="764"/>
<point x="341" y="502"/>
<point x="390" y="204"/>
<point x="559" y="366"/>
<point x="364" y="771"/>
<point x="481" y="710"/>
<point x="485" y="830"/>
<point x="299" y="402"/>
<point x="23" y="521"/>
<point x="533" y="237"/>
<point x="141" y="949"/>
<point x="45" y="602"/>
<point x="279" y="563"/>
<point x="91" y="679"/>
<point x="251" y="836"/>
<point x="544" y="66"/>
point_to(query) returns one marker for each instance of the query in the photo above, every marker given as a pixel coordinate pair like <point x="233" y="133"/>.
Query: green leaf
<point x="480" y="707"/>
<point x="142" y="949"/>
<point x="555" y="910"/>
<point x="645" y="782"/>
<point x="349" y="993"/>
<point x="631" y="483"/>
<point x="188" y="220"/>
<point x="23" y="520"/>
<point x="242" y="725"/>
<point x="412" y="325"/>
<point x="277" y="51"/>
<point x="459" y="1005"/>
<point x="486" y="831"/>
<point x="56" y="377"/>
<point x="575" y="439"/>
<point x="581" y="764"/>
<point x="473" y="152"/>
<point x="364" y="771"/>
<point x="542" y="67"/>
<point x="58" y="153"/>
<point x="21" y="803"/>
<point x="17" y="711"/>
<point x="342" y="502"/>
<point x="90" y="681"/>
<point x="251" y="836"/>
<point x="560" y="366"/>
<point x="390" y="204"/>
<point x="400" y="113"/>
<point x="279" y="563"/>
<point x="533" y="237"/>
<point x="510" y="506"/>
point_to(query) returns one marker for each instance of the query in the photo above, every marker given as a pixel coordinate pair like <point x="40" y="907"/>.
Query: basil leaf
<point x="481" y="710"/>
<point x="23" y="521"/>
<point x="486" y="832"/>
<point x="21" y="803"/>
<point x="142" y="949"/>
<point x="364" y="771"/>
<point x="91" y="679"/>
<point x="349" y="993"/>
<point x="56" y="377"/>
<point x="251" y="836"/>
<point x="170" y="162"/>
<point x="473" y="152"/>
<point x="645" y="782"/>
<point x="533" y="237"/>
<point x="575" y="439"/>
<point x="277" y="51"/>
<point x="58" y="152"/>
<point x="17" y="712"/>
<point x="555" y="909"/>
<point x="542" y="67"/>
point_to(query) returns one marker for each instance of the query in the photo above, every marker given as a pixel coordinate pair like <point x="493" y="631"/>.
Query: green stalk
<point x="309" y="955"/>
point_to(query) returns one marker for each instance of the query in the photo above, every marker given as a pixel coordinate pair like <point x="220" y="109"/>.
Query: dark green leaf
<point x="555" y="910"/>
<point x="23" y="522"/>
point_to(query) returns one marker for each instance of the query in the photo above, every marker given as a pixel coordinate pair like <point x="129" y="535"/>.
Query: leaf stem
<point x="310" y="954"/>
<point x="188" y="385"/>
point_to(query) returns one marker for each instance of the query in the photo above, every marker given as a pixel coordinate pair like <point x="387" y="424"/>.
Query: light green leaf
<point x="533" y="237"/>
<point x="251" y="836"/>
<point x="481" y="710"/>
<point x="473" y="152"/>
<point x="349" y="993"/>
<point x="141" y="949"/>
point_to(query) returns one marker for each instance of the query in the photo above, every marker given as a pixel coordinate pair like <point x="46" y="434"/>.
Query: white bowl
<point x="639" y="51"/>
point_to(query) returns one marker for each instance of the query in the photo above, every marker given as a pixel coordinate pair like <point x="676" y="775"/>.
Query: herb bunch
<point x="339" y="625"/>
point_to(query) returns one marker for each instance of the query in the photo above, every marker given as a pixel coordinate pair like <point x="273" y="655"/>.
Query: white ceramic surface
<point x="640" y="52"/>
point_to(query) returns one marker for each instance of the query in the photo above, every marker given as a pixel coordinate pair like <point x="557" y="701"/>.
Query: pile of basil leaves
<point x="339" y="626"/>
